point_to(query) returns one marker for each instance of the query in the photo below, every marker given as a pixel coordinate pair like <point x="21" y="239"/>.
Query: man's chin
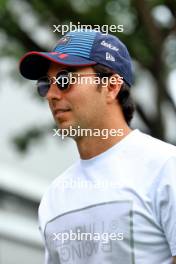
<point x="65" y="124"/>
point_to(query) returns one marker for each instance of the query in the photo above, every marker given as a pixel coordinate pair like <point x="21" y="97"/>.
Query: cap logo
<point x="63" y="56"/>
<point x="63" y="41"/>
<point x="109" y="45"/>
<point x="109" y="57"/>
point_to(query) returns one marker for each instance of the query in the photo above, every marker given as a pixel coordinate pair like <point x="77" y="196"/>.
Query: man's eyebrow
<point x="72" y="69"/>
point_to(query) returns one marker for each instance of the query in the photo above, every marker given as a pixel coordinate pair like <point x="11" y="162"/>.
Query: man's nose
<point x="54" y="92"/>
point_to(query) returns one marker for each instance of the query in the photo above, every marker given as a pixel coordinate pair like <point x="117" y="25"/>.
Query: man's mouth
<point x="61" y="111"/>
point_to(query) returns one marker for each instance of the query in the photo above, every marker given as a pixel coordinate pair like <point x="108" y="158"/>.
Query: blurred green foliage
<point x="149" y="33"/>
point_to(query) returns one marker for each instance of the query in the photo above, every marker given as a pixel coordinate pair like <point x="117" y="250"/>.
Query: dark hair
<point x="124" y="96"/>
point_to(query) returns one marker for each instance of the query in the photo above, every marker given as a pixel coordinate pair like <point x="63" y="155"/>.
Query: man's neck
<point x="92" y="146"/>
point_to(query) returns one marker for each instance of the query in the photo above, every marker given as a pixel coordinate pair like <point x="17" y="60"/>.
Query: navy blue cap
<point x="80" y="48"/>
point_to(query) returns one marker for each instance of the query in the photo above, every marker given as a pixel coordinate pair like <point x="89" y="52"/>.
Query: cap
<point x="80" y="48"/>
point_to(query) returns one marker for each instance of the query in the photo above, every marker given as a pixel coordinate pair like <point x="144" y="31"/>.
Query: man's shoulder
<point x="156" y="147"/>
<point x="55" y="191"/>
<point x="65" y="176"/>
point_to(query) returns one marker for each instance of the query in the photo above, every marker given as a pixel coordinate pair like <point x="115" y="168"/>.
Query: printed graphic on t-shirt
<point x="97" y="234"/>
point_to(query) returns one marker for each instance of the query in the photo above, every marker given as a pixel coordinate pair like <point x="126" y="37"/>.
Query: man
<point x="117" y="203"/>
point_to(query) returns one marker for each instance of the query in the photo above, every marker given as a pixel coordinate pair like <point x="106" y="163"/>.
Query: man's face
<point x="80" y="105"/>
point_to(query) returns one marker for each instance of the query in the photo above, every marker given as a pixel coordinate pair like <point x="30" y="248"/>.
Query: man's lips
<point x="61" y="110"/>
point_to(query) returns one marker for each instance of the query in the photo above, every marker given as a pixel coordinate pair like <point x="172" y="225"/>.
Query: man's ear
<point x="114" y="86"/>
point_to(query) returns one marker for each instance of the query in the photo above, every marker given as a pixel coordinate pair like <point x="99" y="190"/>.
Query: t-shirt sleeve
<point x="47" y="258"/>
<point x="43" y="213"/>
<point x="166" y="202"/>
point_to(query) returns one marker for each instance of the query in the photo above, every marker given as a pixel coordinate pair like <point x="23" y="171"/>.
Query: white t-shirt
<point x="124" y="200"/>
